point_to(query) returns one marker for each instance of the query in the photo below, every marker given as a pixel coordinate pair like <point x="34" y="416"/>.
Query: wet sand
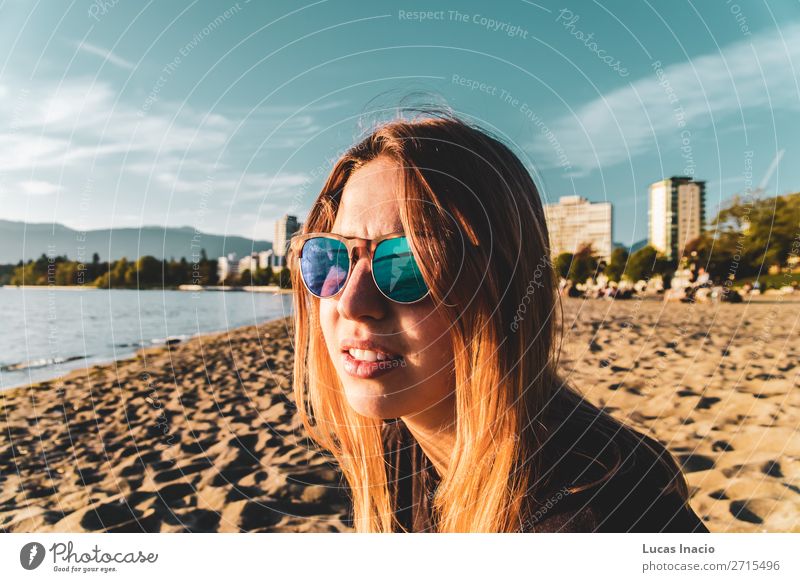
<point x="202" y="436"/>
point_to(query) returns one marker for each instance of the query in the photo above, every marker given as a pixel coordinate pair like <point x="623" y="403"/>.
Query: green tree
<point x="94" y="270"/>
<point x="103" y="281"/>
<point x="752" y="235"/>
<point x="583" y="266"/>
<point x="6" y="272"/>
<point x="642" y="264"/>
<point x="563" y="261"/>
<point x="66" y="273"/>
<point x="715" y="256"/>
<point x="181" y="272"/>
<point x="25" y="274"/>
<point x="616" y="265"/>
<point x="147" y="272"/>
<point x="263" y="276"/>
<point x="40" y="270"/>
<point x="116" y="275"/>
<point x="208" y="273"/>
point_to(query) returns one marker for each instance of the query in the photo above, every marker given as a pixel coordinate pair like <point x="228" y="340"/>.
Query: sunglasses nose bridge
<point x="361" y="278"/>
<point x="359" y="250"/>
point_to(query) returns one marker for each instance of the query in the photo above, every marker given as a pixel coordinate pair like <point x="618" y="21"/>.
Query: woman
<point x="425" y="312"/>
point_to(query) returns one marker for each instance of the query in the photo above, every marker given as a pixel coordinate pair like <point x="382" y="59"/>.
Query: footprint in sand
<point x="773" y="469"/>
<point x="693" y="462"/>
<point x="721" y="446"/>
<point x="740" y="510"/>
<point x="109" y="515"/>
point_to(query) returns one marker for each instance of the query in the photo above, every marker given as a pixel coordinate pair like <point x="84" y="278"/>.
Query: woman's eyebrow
<point x="347" y="233"/>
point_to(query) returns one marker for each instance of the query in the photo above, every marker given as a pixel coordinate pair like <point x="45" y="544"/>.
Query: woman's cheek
<point x="430" y="344"/>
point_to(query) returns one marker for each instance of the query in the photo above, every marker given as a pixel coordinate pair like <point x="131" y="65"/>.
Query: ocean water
<point x="46" y="332"/>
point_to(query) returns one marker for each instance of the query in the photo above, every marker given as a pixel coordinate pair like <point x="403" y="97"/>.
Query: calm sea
<point x="45" y="332"/>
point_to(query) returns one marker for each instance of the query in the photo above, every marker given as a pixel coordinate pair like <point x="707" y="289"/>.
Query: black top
<point x="631" y="500"/>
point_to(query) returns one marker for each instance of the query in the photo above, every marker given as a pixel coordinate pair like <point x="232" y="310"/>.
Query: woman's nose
<point x="360" y="299"/>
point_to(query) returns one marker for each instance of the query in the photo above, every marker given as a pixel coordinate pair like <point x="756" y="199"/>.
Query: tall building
<point x="676" y="214"/>
<point x="575" y="221"/>
<point x="227" y="268"/>
<point x="264" y="259"/>
<point x="248" y="263"/>
<point x="285" y="228"/>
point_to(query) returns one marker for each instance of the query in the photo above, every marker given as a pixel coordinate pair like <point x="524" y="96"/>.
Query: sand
<point x="202" y="436"/>
<point x="719" y="385"/>
<point x="199" y="436"/>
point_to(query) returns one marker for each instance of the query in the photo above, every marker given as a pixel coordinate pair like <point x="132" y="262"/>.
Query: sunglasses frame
<point x="351" y="243"/>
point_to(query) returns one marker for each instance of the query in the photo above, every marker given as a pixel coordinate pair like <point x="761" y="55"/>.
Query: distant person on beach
<point x="426" y="351"/>
<point x="703" y="278"/>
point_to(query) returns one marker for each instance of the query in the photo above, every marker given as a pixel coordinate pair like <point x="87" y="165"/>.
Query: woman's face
<point x="359" y="325"/>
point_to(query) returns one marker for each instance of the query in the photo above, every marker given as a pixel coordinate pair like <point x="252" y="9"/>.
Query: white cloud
<point x="113" y="159"/>
<point x="39" y="187"/>
<point x="105" y="54"/>
<point x="636" y="118"/>
<point x="21" y="151"/>
<point x="79" y="120"/>
<point x="251" y="186"/>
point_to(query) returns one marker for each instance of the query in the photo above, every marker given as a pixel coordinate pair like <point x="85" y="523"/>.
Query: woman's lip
<point x="367" y="345"/>
<point x="364" y="369"/>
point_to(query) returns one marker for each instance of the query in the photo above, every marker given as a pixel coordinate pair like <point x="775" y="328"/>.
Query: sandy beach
<point x="202" y="435"/>
<point x="199" y="436"/>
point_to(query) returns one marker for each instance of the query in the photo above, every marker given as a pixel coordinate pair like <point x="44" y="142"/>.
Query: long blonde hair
<point x="476" y="224"/>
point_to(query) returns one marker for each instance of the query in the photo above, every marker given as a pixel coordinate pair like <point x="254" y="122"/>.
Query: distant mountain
<point x="21" y="241"/>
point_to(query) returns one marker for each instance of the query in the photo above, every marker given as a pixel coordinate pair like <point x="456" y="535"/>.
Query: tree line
<point x="146" y="272"/>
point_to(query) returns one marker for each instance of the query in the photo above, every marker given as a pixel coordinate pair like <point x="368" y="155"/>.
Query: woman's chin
<point x="373" y="400"/>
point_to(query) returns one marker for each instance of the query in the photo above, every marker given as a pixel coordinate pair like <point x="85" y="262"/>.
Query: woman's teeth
<point x="368" y="355"/>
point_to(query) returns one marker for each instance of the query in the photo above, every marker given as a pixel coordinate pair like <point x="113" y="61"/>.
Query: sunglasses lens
<point x="324" y="265"/>
<point x="396" y="271"/>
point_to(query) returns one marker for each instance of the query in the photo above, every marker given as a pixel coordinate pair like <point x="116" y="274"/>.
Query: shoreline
<point x="202" y="436"/>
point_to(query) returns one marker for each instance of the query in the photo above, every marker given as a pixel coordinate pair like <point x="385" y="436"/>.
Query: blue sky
<point x="225" y="115"/>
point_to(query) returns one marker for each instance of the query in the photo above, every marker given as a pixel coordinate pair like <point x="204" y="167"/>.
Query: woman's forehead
<point x="370" y="203"/>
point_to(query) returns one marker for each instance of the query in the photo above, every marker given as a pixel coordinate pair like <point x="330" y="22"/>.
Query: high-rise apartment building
<point x="676" y="214"/>
<point x="285" y="228"/>
<point x="574" y="222"/>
